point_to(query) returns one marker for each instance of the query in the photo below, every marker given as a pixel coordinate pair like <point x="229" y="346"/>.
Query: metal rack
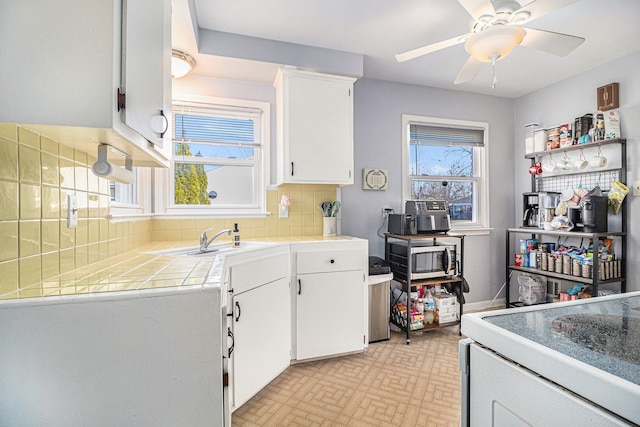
<point x="403" y="275"/>
<point x="559" y="182"/>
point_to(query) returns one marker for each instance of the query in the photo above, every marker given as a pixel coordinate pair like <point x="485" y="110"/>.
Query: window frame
<point x="261" y="164"/>
<point x="480" y="170"/>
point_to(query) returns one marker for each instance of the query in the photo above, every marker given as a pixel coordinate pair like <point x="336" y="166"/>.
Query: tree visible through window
<point x="445" y="161"/>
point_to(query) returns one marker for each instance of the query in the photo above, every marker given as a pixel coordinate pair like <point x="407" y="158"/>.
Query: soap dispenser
<point x="236" y="236"/>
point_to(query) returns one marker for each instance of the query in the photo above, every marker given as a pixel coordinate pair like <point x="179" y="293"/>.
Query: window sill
<point x="183" y="213"/>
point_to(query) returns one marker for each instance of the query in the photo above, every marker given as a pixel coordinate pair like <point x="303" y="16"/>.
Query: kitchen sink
<point x="212" y="250"/>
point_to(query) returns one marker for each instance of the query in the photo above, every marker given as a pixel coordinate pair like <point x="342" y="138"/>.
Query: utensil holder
<point x="329" y="226"/>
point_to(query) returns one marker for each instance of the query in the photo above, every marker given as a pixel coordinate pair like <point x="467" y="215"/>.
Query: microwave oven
<point x="428" y="259"/>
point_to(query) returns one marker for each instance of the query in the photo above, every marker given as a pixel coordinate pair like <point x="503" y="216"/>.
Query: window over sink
<point x="220" y="162"/>
<point x="445" y="159"/>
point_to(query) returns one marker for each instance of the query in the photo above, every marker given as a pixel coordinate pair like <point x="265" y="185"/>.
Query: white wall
<point x="571" y="98"/>
<point x="378" y="109"/>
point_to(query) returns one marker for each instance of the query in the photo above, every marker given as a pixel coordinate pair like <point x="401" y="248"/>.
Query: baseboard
<point x="471" y="307"/>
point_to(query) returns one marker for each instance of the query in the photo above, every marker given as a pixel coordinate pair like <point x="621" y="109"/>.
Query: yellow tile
<point x="8" y="159"/>
<point x="189" y="224"/>
<point x="9" y="246"/>
<point x="174" y="234"/>
<point x="67" y="260"/>
<point x="67" y="173"/>
<point x="259" y="232"/>
<point x="94" y="205"/>
<point x="83" y="204"/>
<point x="50" y="170"/>
<point x="48" y="145"/>
<point x="80" y="174"/>
<point x="283" y="232"/>
<point x="82" y="256"/>
<point x="9" y="274"/>
<point x="94" y="230"/>
<point x="104" y="229"/>
<point x="295" y="231"/>
<point x="33" y="291"/>
<point x="80" y="157"/>
<point x="29" y="241"/>
<point x="29" y="164"/>
<point x="191" y="235"/>
<point x="50" y="202"/>
<point x="30" y="203"/>
<point x="65" y="151"/>
<point x="104" y="186"/>
<point x="308" y="231"/>
<point x="174" y="224"/>
<point x="50" y="235"/>
<point x="94" y="253"/>
<point x="9" y="197"/>
<point x="67" y="235"/>
<point x="158" y="236"/>
<point x="50" y="265"/>
<point x="104" y="203"/>
<point x="93" y="183"/>
<point x="204" y="223"/>
<point x="9" y="131"/>
<point x="159" y="225"/>
<point x="27" y="137"/>
<point x="295" y="221"/>
<point x="82" y="232"/>
<point x="30" y="269"/>
<point x="104" y="250"/>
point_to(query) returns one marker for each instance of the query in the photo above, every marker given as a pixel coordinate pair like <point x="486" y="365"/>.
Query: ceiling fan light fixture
<point x="181" y="64"/>
<point x="497" y="40"/>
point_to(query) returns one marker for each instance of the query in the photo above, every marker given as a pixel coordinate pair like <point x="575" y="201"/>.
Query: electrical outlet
<point x="636" y="188"/>
<point x="386" y="210"/>
<point x="72" y="211"/>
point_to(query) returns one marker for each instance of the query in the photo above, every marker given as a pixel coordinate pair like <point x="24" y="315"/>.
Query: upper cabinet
<point x="69" y="63"/>
<point x="314" y="128"/>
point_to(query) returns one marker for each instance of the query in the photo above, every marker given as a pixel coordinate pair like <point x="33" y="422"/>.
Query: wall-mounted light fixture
<point x="285" y="202"/>
<point x="181" y="64"/>
<point x="103" y="168"/>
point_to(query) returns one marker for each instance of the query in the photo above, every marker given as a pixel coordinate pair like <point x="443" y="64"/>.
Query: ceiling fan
<point x="497" y="30"/>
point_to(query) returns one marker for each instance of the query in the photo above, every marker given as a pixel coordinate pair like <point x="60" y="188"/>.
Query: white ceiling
<point x="378" y="29"/>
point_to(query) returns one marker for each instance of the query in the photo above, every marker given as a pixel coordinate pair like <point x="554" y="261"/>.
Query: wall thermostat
<point x="374" y="179"/>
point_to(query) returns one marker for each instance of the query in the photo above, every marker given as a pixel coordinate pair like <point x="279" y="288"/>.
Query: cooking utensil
<point x="325" y="207"/>
<point x="335" y="207"/>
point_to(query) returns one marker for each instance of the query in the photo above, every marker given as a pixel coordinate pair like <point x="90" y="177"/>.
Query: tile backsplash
<point x="36" y="175"/>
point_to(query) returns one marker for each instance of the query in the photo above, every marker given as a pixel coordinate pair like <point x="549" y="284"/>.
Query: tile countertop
<point x="144" y="267"/>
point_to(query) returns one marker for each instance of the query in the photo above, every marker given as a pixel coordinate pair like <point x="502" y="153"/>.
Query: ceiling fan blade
<point x="537" y="9"/>
<point x="547" y="41"/>
<point x="415" y="53"/>
<point x="469" y="71"/>
<point x="478" y="8"/>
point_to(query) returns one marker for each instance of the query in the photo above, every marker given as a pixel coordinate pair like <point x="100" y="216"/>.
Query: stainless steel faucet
<point x="204" y="240"/>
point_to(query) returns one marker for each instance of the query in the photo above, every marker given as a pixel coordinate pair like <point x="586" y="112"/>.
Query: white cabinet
<point x="330" y="297"/>
<point x="260" y="321"/>
<point x="314" y="128"/>
<point x="68" y="61"/>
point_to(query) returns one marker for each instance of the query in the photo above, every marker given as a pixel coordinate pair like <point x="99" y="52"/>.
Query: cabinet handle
<point x="332" y="261"/>
<point x="160" y="123"/>
<point x="291" y="168"/>
<point x="299" y="287"/>
<point x="239" y="311"/>
<point x="233" y="341"/>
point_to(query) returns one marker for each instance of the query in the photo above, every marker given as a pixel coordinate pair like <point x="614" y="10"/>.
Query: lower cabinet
<point x="329" y="297"/>
<point x="329" y="314"/>
<point x="258" y="311"/>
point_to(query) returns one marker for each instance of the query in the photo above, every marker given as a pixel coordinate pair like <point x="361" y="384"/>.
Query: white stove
<point x="581" y="357"/>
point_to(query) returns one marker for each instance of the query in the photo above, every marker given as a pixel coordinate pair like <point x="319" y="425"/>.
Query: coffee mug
<point x="598" y="161"/>
<point x="565" y="164"/>
<point x="581" y="163"/>
<point x="535" y="169"/>
<point x="550" y="167"/>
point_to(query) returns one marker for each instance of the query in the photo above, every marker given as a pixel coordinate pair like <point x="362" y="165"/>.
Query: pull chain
<point x="494" y="58"/>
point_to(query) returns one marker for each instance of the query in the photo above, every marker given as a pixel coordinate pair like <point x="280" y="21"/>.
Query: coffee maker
<point x="530" y="209"/>
<point x="594" y="213"/>
<point x="547" y="203"/>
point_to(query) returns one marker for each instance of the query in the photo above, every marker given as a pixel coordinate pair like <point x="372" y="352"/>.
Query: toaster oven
<point x="424" y="260"/>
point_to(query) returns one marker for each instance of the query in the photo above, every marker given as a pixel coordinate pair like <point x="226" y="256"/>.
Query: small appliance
<point x="402" y="224"/>
<point x="547" y="205"/>
<point x="428" y="259"/>
<point x="530" y="208"/>
<point x="432" y="215"/>
<point x="594" y="214"/>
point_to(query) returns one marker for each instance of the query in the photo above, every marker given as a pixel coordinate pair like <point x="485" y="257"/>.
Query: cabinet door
<point x="146" y="47"/>
<point x="262" y="338"/>
<point x="330" y="313"/>
<point x="319" y="121"/>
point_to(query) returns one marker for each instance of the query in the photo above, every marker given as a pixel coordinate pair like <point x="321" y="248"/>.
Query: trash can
<point x="379" y="300"/>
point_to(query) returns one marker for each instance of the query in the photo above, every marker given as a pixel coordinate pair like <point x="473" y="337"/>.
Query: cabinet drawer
<point x="253" y="274"/>
<point x="328" y="261"/>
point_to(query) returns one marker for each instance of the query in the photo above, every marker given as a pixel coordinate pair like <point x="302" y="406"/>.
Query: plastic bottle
<point x="236" y="236"/>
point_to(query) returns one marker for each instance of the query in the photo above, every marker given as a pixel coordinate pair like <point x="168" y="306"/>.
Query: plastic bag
<point x="532" y="289"/>
<point x="616" y="196"/>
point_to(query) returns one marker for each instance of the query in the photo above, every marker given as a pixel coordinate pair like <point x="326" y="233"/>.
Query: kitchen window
<point x="220" y="158"/>
<point x="446" y="160"/>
